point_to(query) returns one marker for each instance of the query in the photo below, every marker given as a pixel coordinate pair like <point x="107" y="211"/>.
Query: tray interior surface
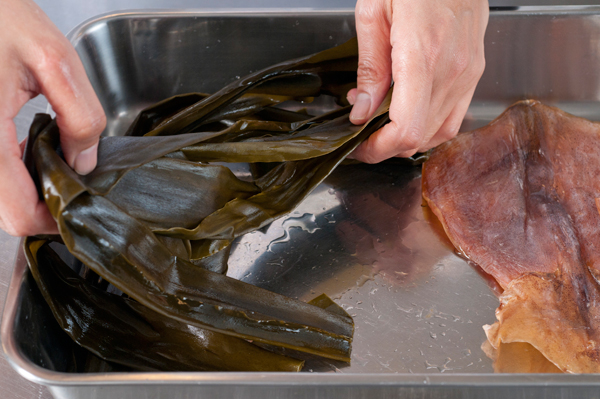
<point x="363" y="237"/>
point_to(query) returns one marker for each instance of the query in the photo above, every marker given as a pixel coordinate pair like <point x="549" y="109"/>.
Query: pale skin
<point x="433" y="50"/>
<point x="35" y="58"/>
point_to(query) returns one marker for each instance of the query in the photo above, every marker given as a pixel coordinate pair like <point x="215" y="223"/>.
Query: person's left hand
<point x="433" y="50"/>
<point x="35" y="58"/>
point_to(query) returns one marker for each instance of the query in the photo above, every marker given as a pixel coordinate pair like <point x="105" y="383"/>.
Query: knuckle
<point x="85" y="128"/>
<point x="435" y="42"/>
<point x="408" y="153"/>
<point x="369" y="72"/>
<point x="431" y="60"/>
<point x="369" y="151"/>
<point x="412" y="138"/>
<point x="445" y="20"/>
<point x="468" y="64"/>
<point x="367" y="13"/>
<point x="371" y="158"/>
<point x="480" y="67"/>
<point x="450" y="132"/>
<point x="463" y="62"/>
<point x="18" y="227"/>
<point x="52" y="55"/>
<point x="96" y="124"/>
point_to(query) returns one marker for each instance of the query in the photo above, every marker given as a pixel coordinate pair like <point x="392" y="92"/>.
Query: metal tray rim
<point x="43" y="376"/>
<point x="253" y="12"/>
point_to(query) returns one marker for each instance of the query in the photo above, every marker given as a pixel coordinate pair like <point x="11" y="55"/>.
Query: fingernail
<point x="360" y="110"/>
<point x="85" y="162"/>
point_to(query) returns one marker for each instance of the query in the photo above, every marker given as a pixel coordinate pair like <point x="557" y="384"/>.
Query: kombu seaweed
<point x="158" y="214"/>
<point x="122" y="330"/>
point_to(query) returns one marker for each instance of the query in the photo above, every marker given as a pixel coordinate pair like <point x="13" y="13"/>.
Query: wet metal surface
<point x="363" y="237"/>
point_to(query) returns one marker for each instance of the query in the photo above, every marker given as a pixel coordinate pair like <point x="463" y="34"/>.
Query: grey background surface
<point x="66" y="14"/>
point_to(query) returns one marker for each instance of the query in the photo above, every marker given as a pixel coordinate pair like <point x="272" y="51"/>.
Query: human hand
<point x="36" y="58"/>
<point x="433" y="50"/>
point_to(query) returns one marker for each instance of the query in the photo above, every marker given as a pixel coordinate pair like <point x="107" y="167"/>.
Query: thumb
<point x="374" y="58"/>
<point x="79" y="115"/>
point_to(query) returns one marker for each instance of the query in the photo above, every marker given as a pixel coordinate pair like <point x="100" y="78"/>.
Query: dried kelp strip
<point x="332" y="71"/>
<point x="164" y="110"/>
<point x="125" y="252"/>
<point x="123" y="331"/>
<point x="156" y="217"/>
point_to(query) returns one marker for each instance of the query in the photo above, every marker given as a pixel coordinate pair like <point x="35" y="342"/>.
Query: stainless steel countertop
<point x="66" y="14"/>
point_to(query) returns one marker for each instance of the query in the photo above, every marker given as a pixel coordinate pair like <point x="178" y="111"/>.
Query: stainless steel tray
<point x="362" y="237"/>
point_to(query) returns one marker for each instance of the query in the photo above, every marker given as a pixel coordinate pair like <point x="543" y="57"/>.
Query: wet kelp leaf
<point x="157" y="215"/>
<point x="123" y="331"/>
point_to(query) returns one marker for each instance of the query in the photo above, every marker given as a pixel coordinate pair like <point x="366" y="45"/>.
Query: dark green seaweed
<point x="158" y="214"/>
<point x="123" y="331"/>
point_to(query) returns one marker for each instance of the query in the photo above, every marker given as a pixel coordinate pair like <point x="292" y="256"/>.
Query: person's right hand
<point x="433" y="51"/>
<point x="36" y="58"/>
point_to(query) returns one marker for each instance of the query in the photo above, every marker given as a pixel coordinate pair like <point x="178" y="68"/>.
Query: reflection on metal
<point x="414" y="302"/>
<point x="363" y="237"/>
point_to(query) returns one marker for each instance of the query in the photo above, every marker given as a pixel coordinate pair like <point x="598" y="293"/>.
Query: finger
<point x="22" y="146"/>
<point x="22" y="211"/>
<point x="374" y="73"/>
<point x="79" y="115"/>
<point x="451" y="125"/>
<point x="409" y="110"/>
<point x="351" y="96"/>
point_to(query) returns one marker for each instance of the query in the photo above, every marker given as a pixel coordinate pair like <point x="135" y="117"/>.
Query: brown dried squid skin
<point x="518" y="197"/>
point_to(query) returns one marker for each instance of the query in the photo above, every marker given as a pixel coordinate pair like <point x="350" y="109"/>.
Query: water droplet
<point x="441" y="368"/>
<point x="362" y="280"/>
<point x="307" y="222"/>
<point x="275" y="263"/>
<point x="329" y="217"/>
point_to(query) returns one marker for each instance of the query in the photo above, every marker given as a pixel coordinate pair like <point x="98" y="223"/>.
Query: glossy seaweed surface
<point x="158" y="214"/>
